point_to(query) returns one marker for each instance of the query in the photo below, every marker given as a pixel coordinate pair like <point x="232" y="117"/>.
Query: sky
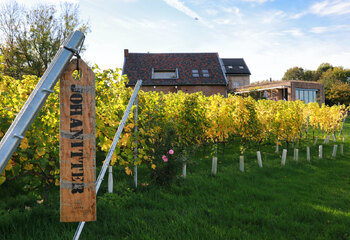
<point x="271" y="35"/>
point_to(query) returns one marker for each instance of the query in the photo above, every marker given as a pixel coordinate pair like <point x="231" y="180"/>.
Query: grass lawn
<point x="298" y="201"/>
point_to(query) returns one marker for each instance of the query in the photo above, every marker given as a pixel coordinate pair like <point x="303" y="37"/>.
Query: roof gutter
<point x="261" y="89"/>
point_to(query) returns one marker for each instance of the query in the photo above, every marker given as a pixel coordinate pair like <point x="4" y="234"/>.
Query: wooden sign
<point x="77" y="144"/>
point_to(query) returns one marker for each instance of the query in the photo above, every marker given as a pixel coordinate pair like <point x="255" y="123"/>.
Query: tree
<point x="324" y="67"/>
<point x="334" y="75"/>
<point x="31" y="37"/>
<point x="295" y="73"/>
<point x="339" y="92"/>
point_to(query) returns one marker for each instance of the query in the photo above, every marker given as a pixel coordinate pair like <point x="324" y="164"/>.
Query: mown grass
<point x="298" y="201"/>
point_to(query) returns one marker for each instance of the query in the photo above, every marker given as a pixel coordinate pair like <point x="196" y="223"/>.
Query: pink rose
<point x="165" y="159"/>
<point x="171" y="151"/>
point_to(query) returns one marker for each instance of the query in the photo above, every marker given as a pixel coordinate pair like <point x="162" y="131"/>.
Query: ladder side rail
<point x="37" y="98"/>
<point x="111" y="150"/>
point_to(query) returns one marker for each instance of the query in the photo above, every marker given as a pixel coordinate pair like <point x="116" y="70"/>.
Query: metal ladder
<point x="37" y="98"/>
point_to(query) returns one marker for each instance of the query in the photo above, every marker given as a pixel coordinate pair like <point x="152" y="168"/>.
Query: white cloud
<point x="298" y="15"/>
<point x="211" y="12"/>
<point x="294" y="32"/>
<point x="180" y="6"/>
<point x="257" y="1"/>
<point x="276" y="16"/>
<point x="35" y="2"/>
<point x="318" y="30"/>
<point x="222" y="21"/>
<point x="329" y="29"/>
<point x="142" y="23"/>
<point x="331" y="7"/>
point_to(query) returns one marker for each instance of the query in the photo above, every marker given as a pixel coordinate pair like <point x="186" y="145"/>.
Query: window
<point x="164" y="74"/>
<point x="205" y="73"/>
<point x="241" y="67"/>
<point x="195" y="73"/>
<point x="306" y="95"/>
<point x="229" y="67"/>
<point x="235" y="84"/>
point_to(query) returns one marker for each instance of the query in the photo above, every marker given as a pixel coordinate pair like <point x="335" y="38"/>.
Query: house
<point x="287" y="90"/>
<point x="237" y="72"/>
<point x="172" y="72"/>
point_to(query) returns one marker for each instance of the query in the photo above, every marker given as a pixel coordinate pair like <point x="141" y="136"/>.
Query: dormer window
<point x="205" y="73"/>
<point x="195" y="73"/>
<point x="165" y="74"/>
<point x="229" y="67"/>
<point x="241" y="67"/>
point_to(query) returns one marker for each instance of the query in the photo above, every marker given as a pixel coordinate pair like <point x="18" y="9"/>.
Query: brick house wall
<point x="242" y="80"/>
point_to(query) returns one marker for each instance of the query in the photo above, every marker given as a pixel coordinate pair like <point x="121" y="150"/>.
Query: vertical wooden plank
<point x="77" y="145"/>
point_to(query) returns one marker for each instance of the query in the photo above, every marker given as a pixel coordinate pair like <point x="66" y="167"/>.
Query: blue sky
<point x="271" y="35"/>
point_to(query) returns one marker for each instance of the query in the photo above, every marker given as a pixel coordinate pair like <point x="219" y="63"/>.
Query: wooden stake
<point x="320" y="152"/>
<point x="214" y="164"/>
<point x="259" y="159"/>
<point x="335" y="147"/>
<point x="241" y="163"/>
<point x="284" y="157"/>
<point x="296" y="154"/>
<point x="184" y="166"/>
<point x="308" y="154"/>
<point x="342" y="149"/>
<point x="110" y="179"/>
<point x="315" y="142"/>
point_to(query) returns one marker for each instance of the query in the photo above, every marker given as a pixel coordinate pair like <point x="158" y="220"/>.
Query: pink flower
<point x="171" y="151"/>
<point x="165" y="159"/>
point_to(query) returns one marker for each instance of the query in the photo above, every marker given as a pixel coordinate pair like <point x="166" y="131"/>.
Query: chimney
<point x="126" y="52"/>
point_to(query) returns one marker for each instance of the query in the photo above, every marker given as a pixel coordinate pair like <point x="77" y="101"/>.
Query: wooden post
<point x="77" y="144"/>
<point x="308" y="154"/>
<point x="259" y="158"/>
<point x="320" y="152"/>
<point x="214" y="165"/>
<point x="335" y="147"/>
<point x="110" y="179"/>
<point x="315" y="142"/>
<point x="277" y="147"/>
<point x="284" y="157"/>
<point x="184" y="166"/>
<point x="342" y="149"/>
<point x="296" y="154"/>
<point x="241" y="163"/>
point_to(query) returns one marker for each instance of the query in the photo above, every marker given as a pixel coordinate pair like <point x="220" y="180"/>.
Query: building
<point x="237" y="72"/>
<point x="287" y="90"/>
<point x="172" y="72"/>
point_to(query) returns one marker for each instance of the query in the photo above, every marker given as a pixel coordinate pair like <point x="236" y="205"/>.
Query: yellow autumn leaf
<point x="57" y="171"/>
<point x="40" y="152"/>
<point x="57" y="182"/>
<point x="128" y="171"/>
<point x="113" y="159"/>
<point x="153" y="166"/>
<point x="22" y="158"/>
<point x="9" y="165"/>
<point x="1" y="134"/>
<point x="2" y="179"/>
<point x="28" y="166"/>
<point x="24" y="144"/>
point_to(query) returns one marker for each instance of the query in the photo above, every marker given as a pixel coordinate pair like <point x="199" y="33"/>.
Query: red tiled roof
<point x="139" y="66"/>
